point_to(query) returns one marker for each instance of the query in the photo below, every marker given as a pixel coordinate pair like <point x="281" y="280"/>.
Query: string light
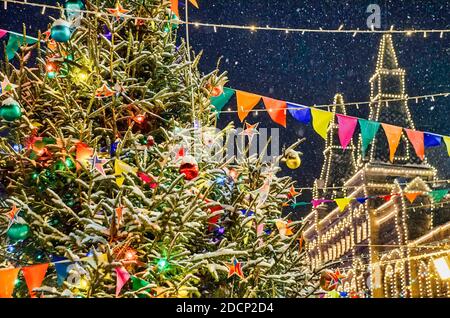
<point x="232" y="26"/>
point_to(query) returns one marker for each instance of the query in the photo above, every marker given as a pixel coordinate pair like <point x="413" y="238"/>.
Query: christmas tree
<point x="113" y="185"/>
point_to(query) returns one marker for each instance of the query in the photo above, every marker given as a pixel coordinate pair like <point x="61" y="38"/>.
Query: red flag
<point x="147" y="179"/>
<point x="7" y="279"/>
<point x="122" y="277"/>
<point x="416" y="139"/>
<point x="276" y="110"/>
<point x="34" y="276"/>
<point x="2" y="33"/>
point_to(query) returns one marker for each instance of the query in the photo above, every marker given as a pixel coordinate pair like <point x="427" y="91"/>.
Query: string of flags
<point x="436" y="195"/>
<point x="321" y="119"/>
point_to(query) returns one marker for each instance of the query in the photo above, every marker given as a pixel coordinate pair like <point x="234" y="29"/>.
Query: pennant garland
<point x="393" y="135"/>
<point x="7" y="280"/>
<point x="347" y="127"/>
<point x="321" y="120"/>
<point x="276" y="110"/>
<point x="34" y="276"/>
<point x="245" y="103"/>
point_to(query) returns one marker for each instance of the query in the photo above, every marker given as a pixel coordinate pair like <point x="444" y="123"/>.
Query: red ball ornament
<point x="150" y="141"/>
<point x="189" y="167"/>
<point x="217" y="91"/>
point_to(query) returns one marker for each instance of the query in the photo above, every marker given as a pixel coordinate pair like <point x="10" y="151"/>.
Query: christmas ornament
<point x="97" y="164"/>
<point x="60" y="31"/>
<point x="217" y="91"/>
<point x="150" y="141"/>
<point x="283" y="227"/>
<point x="18" y="232"/>
<point x="118" y="11"/>
<point x="250" y="130"/>
<point x="329" y="280"/>
<point x="172" y="24"/>
<point x="10" y="110"/>
<point x="235" y="268"/>
<point x="189" y="167"/>
<point x="6" y="86"/>
<point x="104" y="91"/>
<point x="292" y="159"/>
<point x="13" y="212"/>
<point x="73" y="8"/>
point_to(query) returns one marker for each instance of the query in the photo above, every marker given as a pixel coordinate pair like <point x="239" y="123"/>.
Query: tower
<point x="388" y="83"/>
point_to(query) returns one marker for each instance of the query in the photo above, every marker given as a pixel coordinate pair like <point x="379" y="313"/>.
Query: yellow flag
<point x="194" y="2"/>
<point x="342" y="203"/>
<point x="121" y="168"/>
<point x="447" y="143"/>
<point x="321" y="120"/>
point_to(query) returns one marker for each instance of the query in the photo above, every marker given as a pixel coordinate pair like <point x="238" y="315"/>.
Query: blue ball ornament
<point x="60" y="31"/>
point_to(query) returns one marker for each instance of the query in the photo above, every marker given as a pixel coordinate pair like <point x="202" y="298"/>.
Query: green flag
<point x="14" y="42"/>
<point x="438" y="195"/>
<point x="220" y="101"/>
<point x="368" y="131"/>
<point x="139" y="283"/>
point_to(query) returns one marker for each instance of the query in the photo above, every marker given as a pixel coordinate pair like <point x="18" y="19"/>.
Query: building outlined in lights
<point x="386" y="246"/>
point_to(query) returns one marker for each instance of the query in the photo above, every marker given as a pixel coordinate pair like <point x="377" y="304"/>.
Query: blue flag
<point x="300" y="113"/>
<point x="431" y="140"/>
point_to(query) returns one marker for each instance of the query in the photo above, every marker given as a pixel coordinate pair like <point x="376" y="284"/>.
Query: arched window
<point x="387" y="281"/>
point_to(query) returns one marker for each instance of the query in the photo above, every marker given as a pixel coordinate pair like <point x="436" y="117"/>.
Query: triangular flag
<point x="416" y="139"/>
<point x="321" y="119"/>
<point x="393" y="135"/>
<point x="317" y="202"/>
<point x="14" y="42"/>
<point x="138" y="284"/>
<point x="431" y="140"/>
<point x="447" y="143"/>
<point x="276" y="110"/>
<point x="411" y="196"/>
<point x="245" y="103"/>
<point x="220" y="101"/>
<point x="300" y="113"/>
<point x="83" y="153"/>
<point x="362" y="200"/>
<point x="174" y="7"/>
<point x="342" y="203"/>
<point x="369" y="130"/>
<point x="2" y="33"/>
<point x="122" y="277"/>
<point x="194" y="3"/>
<point x="386" y="197"/>
<point x="438" y="195"/>
<point x="120" y="168"/>
<point x="7" y="280"/>
<point x="61" y="268"/>
<point x="347" y="127"/>
<point x="34" y="276"/>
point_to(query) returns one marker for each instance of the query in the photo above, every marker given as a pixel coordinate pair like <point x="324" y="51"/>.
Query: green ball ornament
<point x="60" y="31"/>
<point x="10" y="110"/>
<point x="18" y="232"/>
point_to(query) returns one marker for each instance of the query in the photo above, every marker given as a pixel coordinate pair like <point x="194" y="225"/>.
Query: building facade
<point x="385" y="246"/>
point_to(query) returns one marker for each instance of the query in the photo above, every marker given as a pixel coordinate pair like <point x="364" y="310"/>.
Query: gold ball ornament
<point x="292" y="159"/>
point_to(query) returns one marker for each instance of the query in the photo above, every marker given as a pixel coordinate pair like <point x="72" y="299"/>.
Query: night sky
<point x="309" y="69"/>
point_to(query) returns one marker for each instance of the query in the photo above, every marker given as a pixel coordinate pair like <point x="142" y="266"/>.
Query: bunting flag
<point x="342" y="203"/>
<point x="34" y="276"/>
<point x="416" y="139"/>
<point x="121" y="168"/>
<point x="347" y="127"/>
<point x="438" y="195"/>
<point x="317" y="202"/>
<point x="296" y="204"/>
<point x="245" y="103"/>
<point x="393" y="134"/>
<point x="8" y="278"/>
<point x="122" y="277"/>
<point x="300" y="113"/>
<point x="411" y="196"/>
<point x="362" y="200"/>
<point x="321" y="119"/>
<point x="432" y="140"/>
<point x="2" y="33"/>
<point x="386" y="197"/>
<point x="447" y="144"/>
<point x="61" y="269"/>
<point x="194" y="3"/>
<point x="276" y="109"/>
<point x="369" y="130"/>
<point x="138" y="284"/>
<point x="220" y="101"/>
<point x="14" y="42"/>
<point x="174" y="7"/>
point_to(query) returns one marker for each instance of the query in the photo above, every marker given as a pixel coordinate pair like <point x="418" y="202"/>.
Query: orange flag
<point x="276" y="110"/>
<point x="34" y="275"/>
<point x="245" y="103"/>
<point x="194" y="3"/>
<point x="416" y="138"/>
<point x="174" y="7"/>
<point x="412" y="196"/>
<point x="7" y="279"/>
<point x="393" y="134"/>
